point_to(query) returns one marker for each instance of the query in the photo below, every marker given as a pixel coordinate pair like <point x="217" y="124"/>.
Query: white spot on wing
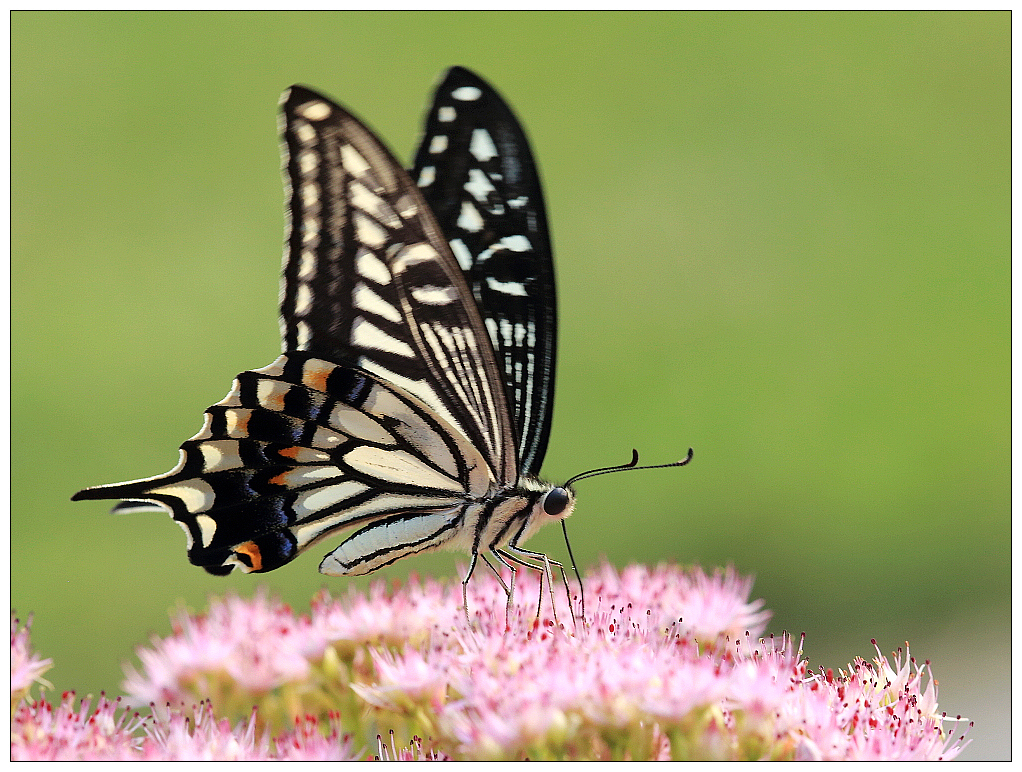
<point x="371" y="267"/>
<point x="369" y="336"/>
<point x="353" y="161"/>
<point x="310" y="194"/>
<point x="435" y="296"/>
<point x="397" y="466"/>
<point x="470" y="219"/>
<point x="307" y="161"/>
<point x="482" y="146"/>
<point x="507" y="287"/>
<point x="491" y="327"/>
<point x="412" y="254"/>
<point x="478" y="185"/>
<point x="197" y="495"/>
<point x="368" y="231"/>
<point x="315" y="111"/>
<point x="359" y="425"/>
<point x="446" y="114"/>
<point x="426" y="176"/>
<point x="218" y="455"/>
<point x="207" y="528"/>
<point x="507" y="333"/>
<point x="372" y="303"/>
<point x="303" y="299"/>
<point x="314" y="501"/>
<point x="305" y="133"/>
<point x="461" y="252"/>
<point x="303" y="333"/>
<point x="307" y="266"/>
<point x="516" y="243"/>
<point x="438" y="144"/>
<point x="466" y="93"/>
<point x="310" y="226"/>
<point x="520" y="333"/>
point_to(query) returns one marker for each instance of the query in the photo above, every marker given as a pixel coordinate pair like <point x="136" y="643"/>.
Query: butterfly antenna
<point x="630" y="466"/>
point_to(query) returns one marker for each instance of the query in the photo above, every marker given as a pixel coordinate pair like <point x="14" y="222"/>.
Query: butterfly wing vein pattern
<point x="413" y="397"/>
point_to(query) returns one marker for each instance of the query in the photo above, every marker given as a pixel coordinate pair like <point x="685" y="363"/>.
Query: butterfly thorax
<point x="513" y="515"/>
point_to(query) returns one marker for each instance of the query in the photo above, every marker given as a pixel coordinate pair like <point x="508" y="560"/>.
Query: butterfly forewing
<point x="478" y="175"/>
<point x="369" y="279"/>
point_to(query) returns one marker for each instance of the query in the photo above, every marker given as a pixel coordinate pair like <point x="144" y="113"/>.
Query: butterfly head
<point x="548" y="503"/>
<point x="559" y="502"/>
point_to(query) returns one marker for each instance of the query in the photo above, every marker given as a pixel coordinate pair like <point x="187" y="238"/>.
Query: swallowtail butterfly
<point x="414" y="395"/>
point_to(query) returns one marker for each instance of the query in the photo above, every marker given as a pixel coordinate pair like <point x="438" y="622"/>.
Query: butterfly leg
<point x="510" y="591"/>
<point x="464" y="587"/>
<point x="547" y="562"/>
<point x="543" y="571"/>
<point x="516" y="554"/>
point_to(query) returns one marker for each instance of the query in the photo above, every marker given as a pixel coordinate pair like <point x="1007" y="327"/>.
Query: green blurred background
<point x="781" y="239"/>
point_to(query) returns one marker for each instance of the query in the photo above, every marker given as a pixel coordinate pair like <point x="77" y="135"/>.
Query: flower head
<point x="27" y="667"/>
<point x="658" y="663"/>
<point x="197" y="735"/>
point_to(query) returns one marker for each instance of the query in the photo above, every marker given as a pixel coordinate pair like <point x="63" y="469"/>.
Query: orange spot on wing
<point x="280" y="479"/>
<point x="315" y="374"/>
<point x="251" y="549"/>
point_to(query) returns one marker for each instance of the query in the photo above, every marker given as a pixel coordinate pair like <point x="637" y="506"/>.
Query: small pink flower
<point x="703" y="607"/>
<point x="40" y="732"/>
<point x="233" y="654"/>
<point x="865" y="715"/>
<point x="306" y="742"/>
<point x="197" y="735"/>
<point x="27" y="668"/>
<point x="413" y="752"/>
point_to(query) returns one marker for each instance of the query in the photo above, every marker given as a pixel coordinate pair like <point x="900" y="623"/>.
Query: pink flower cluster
<point x="661" y="663"/>
<point x="42" y="732"/>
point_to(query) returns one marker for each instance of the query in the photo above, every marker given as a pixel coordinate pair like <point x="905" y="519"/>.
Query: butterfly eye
<point x="556" y="501"/>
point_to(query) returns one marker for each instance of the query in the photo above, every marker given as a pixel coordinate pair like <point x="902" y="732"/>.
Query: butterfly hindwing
<point x="302" y="448"/>
<point x="478" y="175"/>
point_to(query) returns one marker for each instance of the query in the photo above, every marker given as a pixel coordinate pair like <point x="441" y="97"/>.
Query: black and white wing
<point x="369" y="278"/>
<point x="478" y="175"/>
<point x="387" y="408"/>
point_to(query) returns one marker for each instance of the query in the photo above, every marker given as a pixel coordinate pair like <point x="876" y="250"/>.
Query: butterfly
<point x="413" y="398"/>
